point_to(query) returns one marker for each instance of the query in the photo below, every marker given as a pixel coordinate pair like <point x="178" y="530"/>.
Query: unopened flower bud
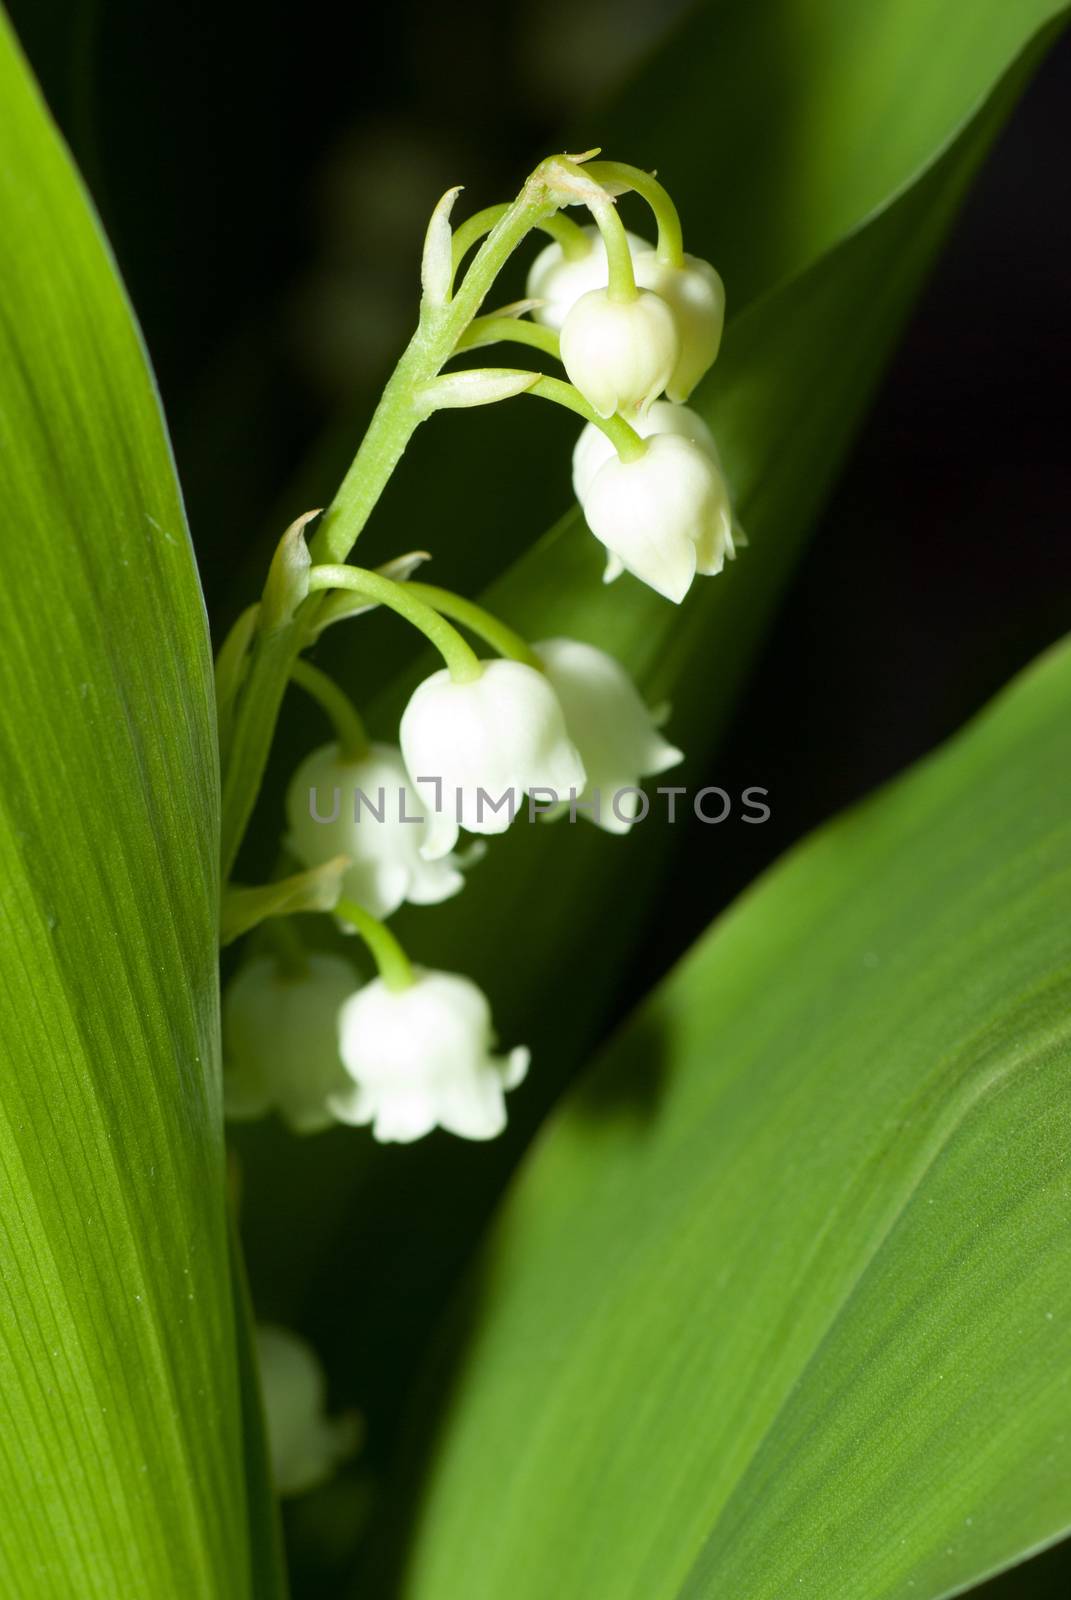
<point x="305" y="1444"/>
<point x="665" y="516"/>
<point x="558" y="280"/>
<point x="370" y="811"/>
<point x="280" y="1040"/>
<point x="610" y="726"/>
<point x="421" y="1058"/>
<point x="494" y="738"/>
<point x="619" y="353"/>
<point x="695" y="295"/>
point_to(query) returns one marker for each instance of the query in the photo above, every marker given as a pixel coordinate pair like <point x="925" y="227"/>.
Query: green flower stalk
<point x="375" y="824"/>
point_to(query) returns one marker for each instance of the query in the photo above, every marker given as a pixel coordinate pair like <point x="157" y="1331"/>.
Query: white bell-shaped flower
<point x="558" y="281"/>
<point x="695" y="295"/>
<point x="474" y="749"/>
<point x="620" y="354"/>
<point x="421" y="1058"/>
<point x="593" y="448"/>
<point x="665" y="516"/>
<point x="611" y="727"/>
<point x="280" y="1039"/>
<point x="304" y="1444"/>
<point x="367" y="810"/>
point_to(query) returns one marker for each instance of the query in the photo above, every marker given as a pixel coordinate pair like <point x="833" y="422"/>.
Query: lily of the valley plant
<point x="771" y="1298"/>
<point x="553" y="722"/>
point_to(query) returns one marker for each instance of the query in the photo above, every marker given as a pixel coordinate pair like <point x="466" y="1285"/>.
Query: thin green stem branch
<point x="496" y="329"/>
<point x="353" y="743"/>
<point x="621" y="285"/>
<point x="474" y="228"/>
<point x="391" y="961"/>
<point x="626" y="441"/>
<point x="569" y="234"/>
<point x="463" y="663"/>
<point x="563" y="230"/>
<point x="499" y="635"/>
<point x="647" y="186"/>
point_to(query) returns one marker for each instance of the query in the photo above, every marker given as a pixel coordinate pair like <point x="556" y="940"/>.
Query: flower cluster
<point x="661" y="509"/>
<point x="303" y="1038"/>
<point x="558" y="720"/>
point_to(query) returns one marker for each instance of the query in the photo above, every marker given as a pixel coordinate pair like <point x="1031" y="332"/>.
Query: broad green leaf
<point x="814" y="113"/>
<point x="779" y="1304"/>
<point x="122" y="1469"/>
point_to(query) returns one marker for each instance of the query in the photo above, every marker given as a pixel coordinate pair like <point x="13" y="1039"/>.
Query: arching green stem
<point x="343" y="714"/>
<point x="569" y="234"/>
<point x="463" y="663"/>
<point x="495" y="329"/>
<point x="392" y="963"/>
<point x="629" y="444"/>
<point x="475" y="228"/>
<point x="572" y="238"/>
<point x="497" y="634"/>
<point x="647" y="186"/>
<point x="621" y="285"/>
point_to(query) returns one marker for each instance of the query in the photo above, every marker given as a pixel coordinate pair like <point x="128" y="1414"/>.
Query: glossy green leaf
<point x="779" y="1305"/>
<point x="121" y="1472"/>
<point x="782" y="126"/>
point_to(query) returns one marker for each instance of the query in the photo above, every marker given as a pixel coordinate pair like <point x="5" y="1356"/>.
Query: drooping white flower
<point x="558" y="281"/>
<point x="620" y="354"/>
<point x="593" y="448"/>
<point x="304" y="1444"/>
<point x="695" y="295"/>
<point x="610" y="726"/>
<point x="665" y="516"/>
<point x="421" y="1058"/>
<point x="370" y="811"/>
<point x="280" y="1039"/>
<point x="474" y="749"/>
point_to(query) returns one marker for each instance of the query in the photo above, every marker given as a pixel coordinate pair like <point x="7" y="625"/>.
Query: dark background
<point x="265" y="177"/>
